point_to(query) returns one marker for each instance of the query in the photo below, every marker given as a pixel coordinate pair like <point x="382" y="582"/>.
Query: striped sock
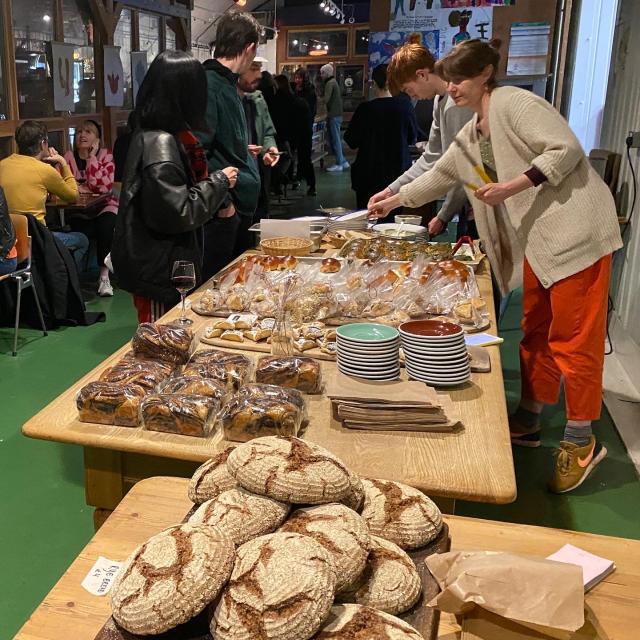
<point x="578" y="435"/>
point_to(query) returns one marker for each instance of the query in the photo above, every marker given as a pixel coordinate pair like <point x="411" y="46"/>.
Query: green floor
<point x="45" y="522"/>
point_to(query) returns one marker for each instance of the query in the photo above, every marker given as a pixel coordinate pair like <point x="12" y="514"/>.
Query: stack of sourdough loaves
<point x="286" y="544"/>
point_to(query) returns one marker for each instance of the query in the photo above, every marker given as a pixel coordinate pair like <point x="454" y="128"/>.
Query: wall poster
<point x="113" y="77"/>
<point x="62" y="55"/>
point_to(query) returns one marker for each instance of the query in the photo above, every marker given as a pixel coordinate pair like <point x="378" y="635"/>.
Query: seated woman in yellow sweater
<point x="28" y="176"/>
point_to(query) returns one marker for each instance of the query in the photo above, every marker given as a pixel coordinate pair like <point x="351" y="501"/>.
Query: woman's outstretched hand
<point x="382" y="208"/>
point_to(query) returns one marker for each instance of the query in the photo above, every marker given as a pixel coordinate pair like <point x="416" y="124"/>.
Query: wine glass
<point x="183" y="278"/>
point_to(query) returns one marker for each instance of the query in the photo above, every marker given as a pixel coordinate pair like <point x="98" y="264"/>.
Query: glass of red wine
<point x="183" y="278"/>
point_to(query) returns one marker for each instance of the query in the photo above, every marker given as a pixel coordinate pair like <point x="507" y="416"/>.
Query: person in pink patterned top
<point x="93" y="168"/>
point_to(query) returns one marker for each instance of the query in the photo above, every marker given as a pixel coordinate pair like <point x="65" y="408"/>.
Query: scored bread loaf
<point x="242" y="515"/>
<point x="341" y="531"/>
<point x="355" y="498"/>
<point x="171" y="578"/>
<point x="389" y="582"/>
<point x="290" y="470"/>
<point x="281" y="588"/>
<point x="400" y="513"/>
<point x="211" y="478"/>
<point x="355" y="622"/>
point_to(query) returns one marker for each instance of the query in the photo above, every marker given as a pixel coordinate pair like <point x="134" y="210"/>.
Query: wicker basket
<point x="286" y="246"/>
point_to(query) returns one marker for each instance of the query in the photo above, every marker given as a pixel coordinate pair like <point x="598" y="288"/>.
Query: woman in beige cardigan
<point x="547" y="222"/>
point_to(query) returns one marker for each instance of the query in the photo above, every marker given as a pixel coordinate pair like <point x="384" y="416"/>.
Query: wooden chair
<point x="22" y="275"/>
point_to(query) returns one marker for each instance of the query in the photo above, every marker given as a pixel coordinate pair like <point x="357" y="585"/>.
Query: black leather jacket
<point x="7" y="232"/>
<point x="160" y="215"/>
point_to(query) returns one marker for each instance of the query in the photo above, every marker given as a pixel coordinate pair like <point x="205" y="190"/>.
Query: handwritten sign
<point x="100" y="578"/>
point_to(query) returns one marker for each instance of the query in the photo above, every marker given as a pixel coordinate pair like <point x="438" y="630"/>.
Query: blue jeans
<point x="8" y="265"/>
<point x="77" y="243"/>
<point x="335" y="138"/>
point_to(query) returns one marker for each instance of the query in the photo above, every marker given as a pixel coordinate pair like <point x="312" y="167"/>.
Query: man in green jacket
<point x="262" y="140"/>
<point x="226" y="141"/>
<point x="333" y="104"/>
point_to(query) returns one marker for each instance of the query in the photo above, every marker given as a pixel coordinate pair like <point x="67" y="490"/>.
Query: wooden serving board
<point x="263" y="347"/>
<point x="424" y="619"/>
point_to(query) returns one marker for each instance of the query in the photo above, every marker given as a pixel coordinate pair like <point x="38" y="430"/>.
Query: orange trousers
<point x="564" y="332"/>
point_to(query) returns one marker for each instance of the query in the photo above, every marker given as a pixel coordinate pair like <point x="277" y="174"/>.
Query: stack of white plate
<point x="354" y="221"/>
<point x="435" y="352"/>
<point x="368" y="350"/>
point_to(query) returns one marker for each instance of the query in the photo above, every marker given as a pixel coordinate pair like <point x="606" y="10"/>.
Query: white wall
<point x="621" y="115"/>
<point x="591" y="70"/>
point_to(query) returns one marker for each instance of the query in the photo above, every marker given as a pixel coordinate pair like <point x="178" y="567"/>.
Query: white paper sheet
<point x="285" y="228"/>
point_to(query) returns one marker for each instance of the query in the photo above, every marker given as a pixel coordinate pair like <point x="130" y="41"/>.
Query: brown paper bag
<point x="530" y="591"/>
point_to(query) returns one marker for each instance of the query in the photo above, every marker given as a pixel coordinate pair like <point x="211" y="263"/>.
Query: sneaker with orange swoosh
<point x="574" y="464"/>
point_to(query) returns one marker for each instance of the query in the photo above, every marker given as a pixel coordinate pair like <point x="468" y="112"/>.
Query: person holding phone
<point x="548" y="222"/>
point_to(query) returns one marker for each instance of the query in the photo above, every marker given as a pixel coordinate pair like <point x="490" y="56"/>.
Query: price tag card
<point x="100" y="578"/>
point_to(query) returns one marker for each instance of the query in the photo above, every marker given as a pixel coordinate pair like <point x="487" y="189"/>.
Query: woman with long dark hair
<point x="167" y="193"/>
<point x="548" y="222"/>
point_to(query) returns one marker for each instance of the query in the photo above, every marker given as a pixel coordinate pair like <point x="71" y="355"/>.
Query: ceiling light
<point x="322" y="4"/>
<point x="46" y="17"/>
<point x="240" y="3"/>
<point x="295" y="43"/>
<point x="326" y="47"/>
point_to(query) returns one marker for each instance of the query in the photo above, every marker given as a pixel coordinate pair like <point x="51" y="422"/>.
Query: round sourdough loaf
<point x="355" y="498"/>
<point x="400" y="513"/>
<point x="355" y="622"/>
<point x="289" y="469"/>
<point x="389" y="582"/>
<point x="341" y="531"/>
<point x="241" y="514"/>
<point x="171" y="578"/>
<point x="282" y="588"/>
<point x="211" y="478"/>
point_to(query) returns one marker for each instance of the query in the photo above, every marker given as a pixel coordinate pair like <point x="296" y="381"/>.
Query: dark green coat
<point x="226" y="141"/>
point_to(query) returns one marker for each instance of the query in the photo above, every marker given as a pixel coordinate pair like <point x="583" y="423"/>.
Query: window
<point x="32" y="31"/>
<point x="149" y="35"/>
<point x="122" y="39"/>
<point x="317" y="43"/>
<point x="78" y="30"/>
<point x="170" y="39"/>
<point x="362" y="42"/>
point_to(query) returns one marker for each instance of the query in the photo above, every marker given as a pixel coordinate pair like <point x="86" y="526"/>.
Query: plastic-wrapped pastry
<point x="210" y="332"/>
<point x="196" y="386"/>
<point x="130" y="356"/>
<point x="231" y="369"/>
<point x="264" y="308"/>
<point x="176" y="413"/>
<point x="210" y="301"/>
<point x="238" y="298"/>
<point x="378" y="308"/>
<point x="256" y="413"/>
<point x="312" y="331"/>
<point x="330" y="335"/>
<point x="295" y="372"/>
<point x="145" y="374"/>
<point x="110" y="403"/>
<point x="163" y="342"/>
<point x="330" y="348"/>
<point x="224" y="324"/>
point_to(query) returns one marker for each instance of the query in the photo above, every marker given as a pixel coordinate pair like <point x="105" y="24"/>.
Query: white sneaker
<point x="108" y="263"/>
<point x="104" y="288"/>
<point x="345" y="165"/>
<point x="335" y="168"/>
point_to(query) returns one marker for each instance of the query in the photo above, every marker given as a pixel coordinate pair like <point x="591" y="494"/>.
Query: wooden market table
<point x="86" y="205"/>
<point x="475" y="463"/>
<point x="69" y="611"/>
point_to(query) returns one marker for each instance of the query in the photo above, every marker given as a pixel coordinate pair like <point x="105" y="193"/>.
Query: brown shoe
<point x="574" y="464"/>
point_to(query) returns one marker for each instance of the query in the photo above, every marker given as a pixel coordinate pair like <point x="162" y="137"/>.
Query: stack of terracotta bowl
<point x="435" y="352"/>
<point x="369" y="350"/>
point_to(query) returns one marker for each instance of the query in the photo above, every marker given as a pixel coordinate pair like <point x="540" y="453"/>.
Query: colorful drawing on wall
<point x="139" y="66"/>
<point x="455" y="25"/>
<point x="383" y="44"/>
<point x="62" y="55"/>
<point x="113" y="77"/>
